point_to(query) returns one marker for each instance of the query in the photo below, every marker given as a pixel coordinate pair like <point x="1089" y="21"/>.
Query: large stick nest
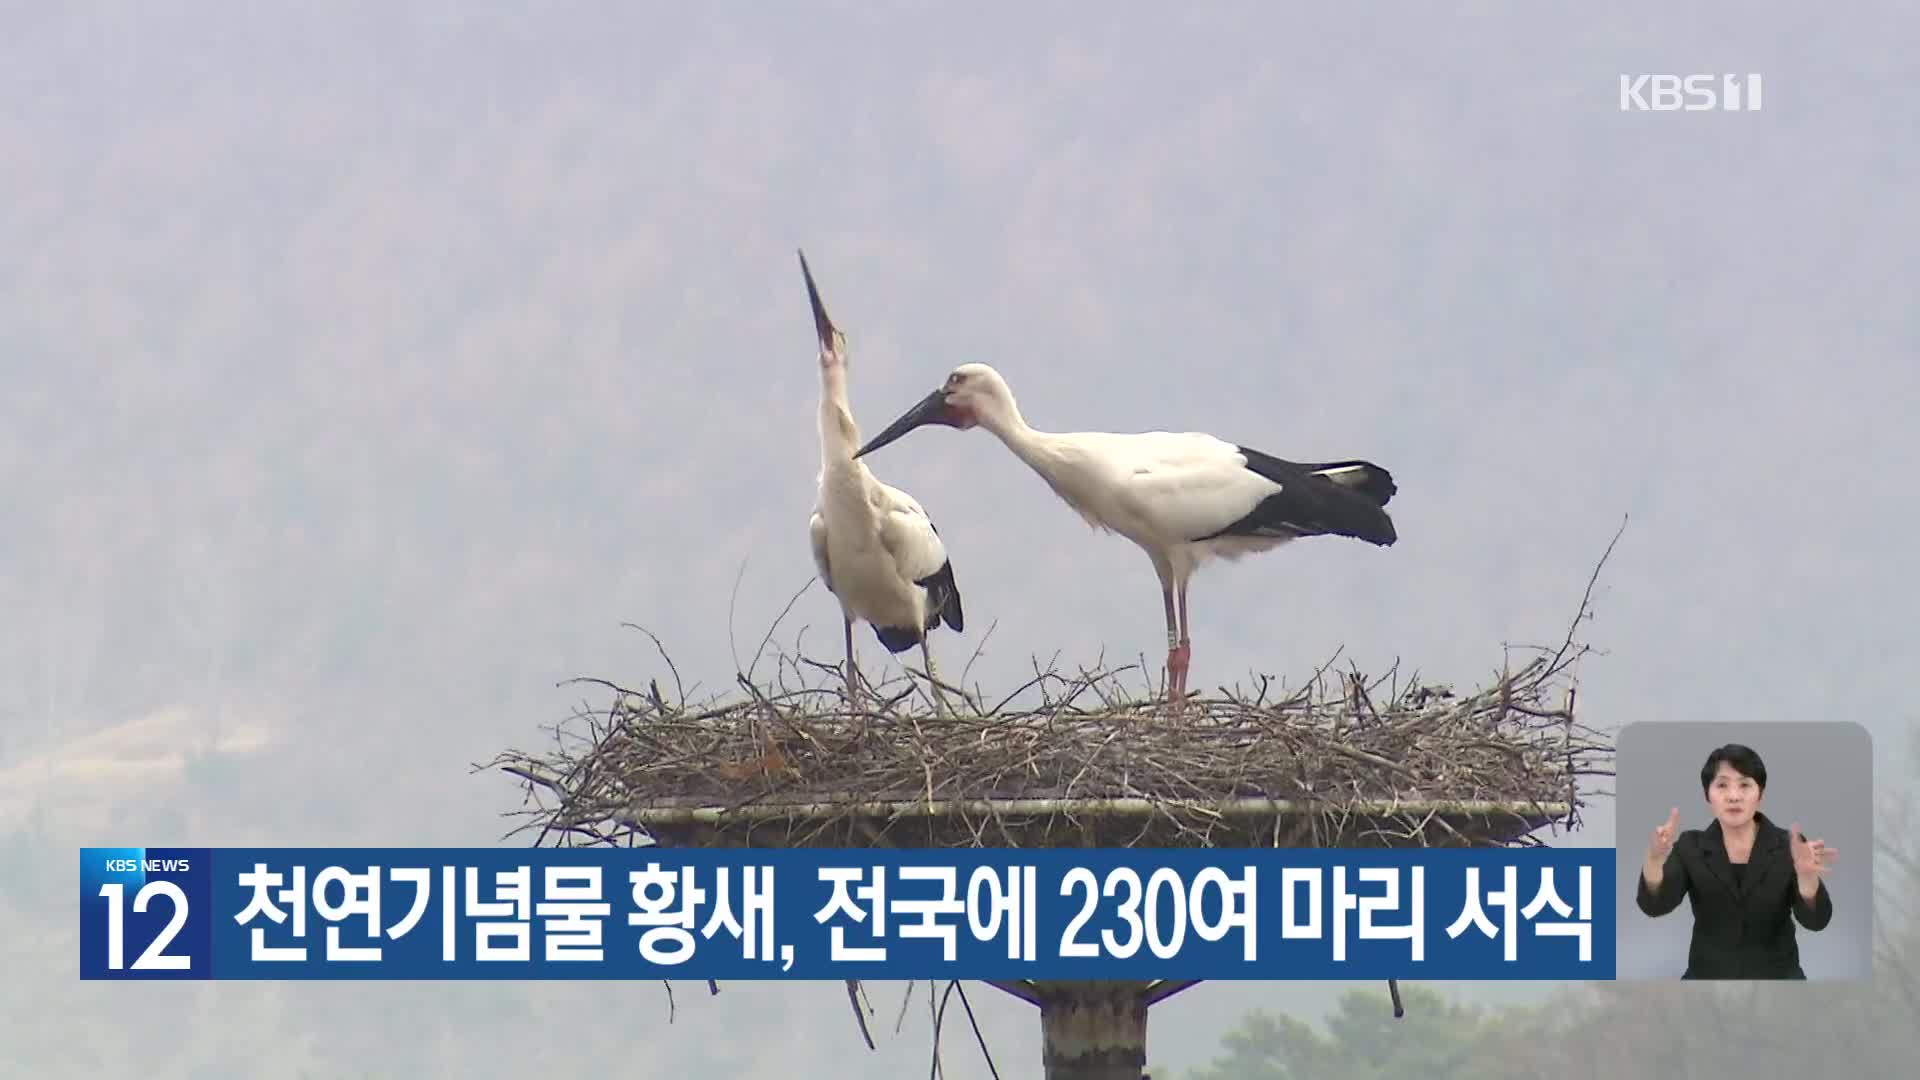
<point x="1343" y="760"/>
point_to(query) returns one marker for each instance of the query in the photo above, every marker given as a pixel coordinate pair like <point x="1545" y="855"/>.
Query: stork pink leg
<point x="1176" y="659"/>
<point x="1177" y="673"/>
<point x="1185" y="649"/>
<point x="853" y="678"/>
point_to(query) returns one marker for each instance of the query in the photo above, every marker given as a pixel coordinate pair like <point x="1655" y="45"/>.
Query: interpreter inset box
<point x="1745" y="851"/>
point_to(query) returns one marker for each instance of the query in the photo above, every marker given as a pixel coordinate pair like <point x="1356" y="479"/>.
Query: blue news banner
<point x="654" y="913"/>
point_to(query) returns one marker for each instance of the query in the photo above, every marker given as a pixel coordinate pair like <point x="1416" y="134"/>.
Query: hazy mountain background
<point x="363" y="367"/>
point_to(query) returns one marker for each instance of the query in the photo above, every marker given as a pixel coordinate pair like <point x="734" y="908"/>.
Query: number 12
<point x="155" y="956"/>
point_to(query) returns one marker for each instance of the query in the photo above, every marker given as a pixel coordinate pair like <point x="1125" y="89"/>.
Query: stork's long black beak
<point x="820" y="321"/>
<point x="932" y="409"/>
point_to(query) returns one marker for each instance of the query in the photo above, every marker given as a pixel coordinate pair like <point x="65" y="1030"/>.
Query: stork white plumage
<point x="875" y="547"/>
<point x="1183" y="497"/>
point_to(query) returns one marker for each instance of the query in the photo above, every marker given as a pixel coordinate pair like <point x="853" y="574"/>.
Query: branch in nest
<point x="859" y="1014"/>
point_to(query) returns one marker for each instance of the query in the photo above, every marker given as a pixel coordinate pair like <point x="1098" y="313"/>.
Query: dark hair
<point x="1742" y="758"/>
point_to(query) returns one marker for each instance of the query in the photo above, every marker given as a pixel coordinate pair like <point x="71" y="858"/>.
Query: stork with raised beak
<point x="875" y="547"/>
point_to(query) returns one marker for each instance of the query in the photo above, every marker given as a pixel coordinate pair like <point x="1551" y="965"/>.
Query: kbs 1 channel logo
<point x="1691" y="93"/>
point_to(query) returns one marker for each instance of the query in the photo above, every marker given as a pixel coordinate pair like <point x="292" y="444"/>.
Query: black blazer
<point x="1741" y="928"/>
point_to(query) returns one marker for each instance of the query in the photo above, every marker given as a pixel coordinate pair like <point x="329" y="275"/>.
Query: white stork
<point x="1183" y="497"/>
<point x="875" y="547"/>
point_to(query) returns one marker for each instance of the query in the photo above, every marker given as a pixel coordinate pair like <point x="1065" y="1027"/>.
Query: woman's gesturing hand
<point x="1811" y="858"/>
<point x="1661" y="845"/>
<point x="1654" y="872"/>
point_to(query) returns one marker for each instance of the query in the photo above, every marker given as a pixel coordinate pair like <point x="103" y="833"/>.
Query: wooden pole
<point x="1092" y="1030"/>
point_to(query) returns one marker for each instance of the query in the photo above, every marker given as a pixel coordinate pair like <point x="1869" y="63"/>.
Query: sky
<point x="366" y="366"/>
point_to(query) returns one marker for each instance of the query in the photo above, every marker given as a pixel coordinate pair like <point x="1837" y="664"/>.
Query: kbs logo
<point x="1690" y="93"/>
